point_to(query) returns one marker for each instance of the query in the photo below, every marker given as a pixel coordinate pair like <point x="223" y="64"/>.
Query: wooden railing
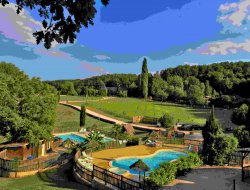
<point x="31" y="165"/>
<point x="3" y="154"/>
<point x="107" y="177"/>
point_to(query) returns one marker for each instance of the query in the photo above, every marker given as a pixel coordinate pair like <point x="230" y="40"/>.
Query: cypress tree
<point x="82" y="116"/>
<point x="210" y="132"/>
<point x="144" y="79"/>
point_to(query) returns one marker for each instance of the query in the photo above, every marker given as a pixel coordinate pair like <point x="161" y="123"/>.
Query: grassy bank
<point x="126" y="108"/>
<point x="67" y="120"/>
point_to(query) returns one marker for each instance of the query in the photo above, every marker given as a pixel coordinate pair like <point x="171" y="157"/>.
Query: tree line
<point x="222" y="84"/>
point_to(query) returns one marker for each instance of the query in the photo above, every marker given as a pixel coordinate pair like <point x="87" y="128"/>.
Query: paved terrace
<point x="111" y="120"/>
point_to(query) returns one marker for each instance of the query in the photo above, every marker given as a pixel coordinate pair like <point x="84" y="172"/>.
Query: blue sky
<point x="167" y="32"/>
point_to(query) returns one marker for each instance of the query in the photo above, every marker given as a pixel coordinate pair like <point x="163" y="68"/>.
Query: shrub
<point x="166" y="121"/>
<point x="164" y="175"/>
<point x="132" y="141"/>
<point x="183" y="166"/>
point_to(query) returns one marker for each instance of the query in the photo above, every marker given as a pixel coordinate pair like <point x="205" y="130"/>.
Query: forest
<point x="220" y="84"/>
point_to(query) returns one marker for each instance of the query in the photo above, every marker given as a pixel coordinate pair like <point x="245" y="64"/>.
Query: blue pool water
<point x="153" y="162"/>
<point x="81" y="139"/>
<point x="72" y="137"/>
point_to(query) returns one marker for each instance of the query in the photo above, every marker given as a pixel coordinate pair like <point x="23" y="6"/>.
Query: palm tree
<point x="117" y="132"/>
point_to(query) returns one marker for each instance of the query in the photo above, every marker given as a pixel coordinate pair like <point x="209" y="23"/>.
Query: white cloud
<point x="235" y="13"/>
<point x="224" y="47"/>
<point x="101" y="57"/>
<point x="18" y="27"/>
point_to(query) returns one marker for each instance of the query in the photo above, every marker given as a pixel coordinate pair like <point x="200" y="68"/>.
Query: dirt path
<point x="111" y="120"/>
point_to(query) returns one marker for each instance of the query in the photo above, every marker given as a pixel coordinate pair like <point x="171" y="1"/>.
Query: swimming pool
<point x="72" y="137"/>
<point x="152" y="161"/>
<point x="78" y="138"/>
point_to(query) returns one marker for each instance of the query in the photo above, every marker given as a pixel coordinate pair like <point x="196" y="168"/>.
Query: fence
<point x="107" y="145"/>
<point x="179" y="141"/>
<point x="3" y="154"/>
<point x="31" y="165"/>
<point x="107" y="177"/>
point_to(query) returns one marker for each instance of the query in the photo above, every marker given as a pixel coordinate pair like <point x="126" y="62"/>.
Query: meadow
<point x="55" y="179"/>
<point x="77" y="98"/>
<point x="126" y="108"/>
<point x="67" y="120"/>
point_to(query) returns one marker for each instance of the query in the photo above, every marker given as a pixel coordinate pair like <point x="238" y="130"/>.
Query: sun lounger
<point x="86" y="156"/>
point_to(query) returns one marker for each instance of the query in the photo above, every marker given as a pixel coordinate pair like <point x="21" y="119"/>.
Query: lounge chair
<point x="86" y="156"/>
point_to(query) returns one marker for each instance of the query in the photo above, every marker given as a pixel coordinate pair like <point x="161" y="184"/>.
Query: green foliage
<point x="183" y="84"/>
<point x="68" y="89"/>
<point x="167" y="171"/>
<point x="217" y="147"/>
<point x="243" y="136"/>
<point x="144" y="79"/>
<point x="208" y="89"/>
<point x="122" y="93"/>
<point x="159" y="88"/>
<point x="164" y="175"/>
<point x="82" y="116"/>
<point x="61" y="20"/>
<point x="166" y="121"/>
<point x="132" y="141"/>
<point x="27" y="106"/>
<point x="239" y="115"/>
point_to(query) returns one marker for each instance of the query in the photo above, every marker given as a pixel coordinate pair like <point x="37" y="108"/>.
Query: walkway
<point x="206" y="178"/>
<point x="111" y="120"/>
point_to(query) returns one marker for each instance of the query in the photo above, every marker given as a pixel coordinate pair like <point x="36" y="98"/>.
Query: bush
<point x="164" y="175"/>
<point x="123" y="93"/>
<point x="167" y="172"/>
<point x="132" y="141"/>
<point x="166" y="121"/>
<point x="183" y="166"/>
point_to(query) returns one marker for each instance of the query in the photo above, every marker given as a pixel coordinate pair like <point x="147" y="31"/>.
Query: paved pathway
<point x="210" y="178"/>
<point x="111" y="120"/>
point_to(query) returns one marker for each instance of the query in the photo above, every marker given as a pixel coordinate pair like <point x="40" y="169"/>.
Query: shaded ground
<point x="210" y="179"/>
<point x="57" y="179"/>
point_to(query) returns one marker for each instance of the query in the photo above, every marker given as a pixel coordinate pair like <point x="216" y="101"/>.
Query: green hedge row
<point x="168" y="171"/>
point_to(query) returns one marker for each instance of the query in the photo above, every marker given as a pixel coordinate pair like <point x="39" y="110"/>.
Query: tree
<point x="208" y="89"/>
<point x="166" y="121"/>
<point x="68" y="89"/>
<point x="217" y="147"/>
<point x="117" y="132"/>
<point x="159" y="88"/>
<point x="27" y="106"/>
<point x="82" y="116"/>
<point x="239" y="115"/>
<point x="144" y="79"/>
<point x="61" y="19"/>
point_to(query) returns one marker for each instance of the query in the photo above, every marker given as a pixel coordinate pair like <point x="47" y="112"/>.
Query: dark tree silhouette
<point x="62" y="19"/>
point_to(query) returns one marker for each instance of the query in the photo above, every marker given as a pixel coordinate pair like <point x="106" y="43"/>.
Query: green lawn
<point x="67" y="120"/>
<point x="126" y="108"/>
<point x="49" y="180"/>
<point x="77" y="98"/>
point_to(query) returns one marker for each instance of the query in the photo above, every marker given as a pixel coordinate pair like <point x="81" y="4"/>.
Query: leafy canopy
<point x="27" y="106"/>
<point x="62" y="19"/>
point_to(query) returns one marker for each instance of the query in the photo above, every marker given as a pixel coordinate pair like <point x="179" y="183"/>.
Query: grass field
<point x="56" y="179"/>
<point x="67" y="120"/>
<point x="77" y="98"/>
<point x="126" y="108"/>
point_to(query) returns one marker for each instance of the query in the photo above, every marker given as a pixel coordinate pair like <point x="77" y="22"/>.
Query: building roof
<point x="129" y="129"/>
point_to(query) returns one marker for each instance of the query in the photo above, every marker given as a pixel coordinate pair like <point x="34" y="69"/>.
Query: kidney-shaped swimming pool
<point x="152" y="161"/>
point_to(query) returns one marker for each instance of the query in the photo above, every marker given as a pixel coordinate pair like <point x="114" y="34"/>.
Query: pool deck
<point x="104" y="157"/>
